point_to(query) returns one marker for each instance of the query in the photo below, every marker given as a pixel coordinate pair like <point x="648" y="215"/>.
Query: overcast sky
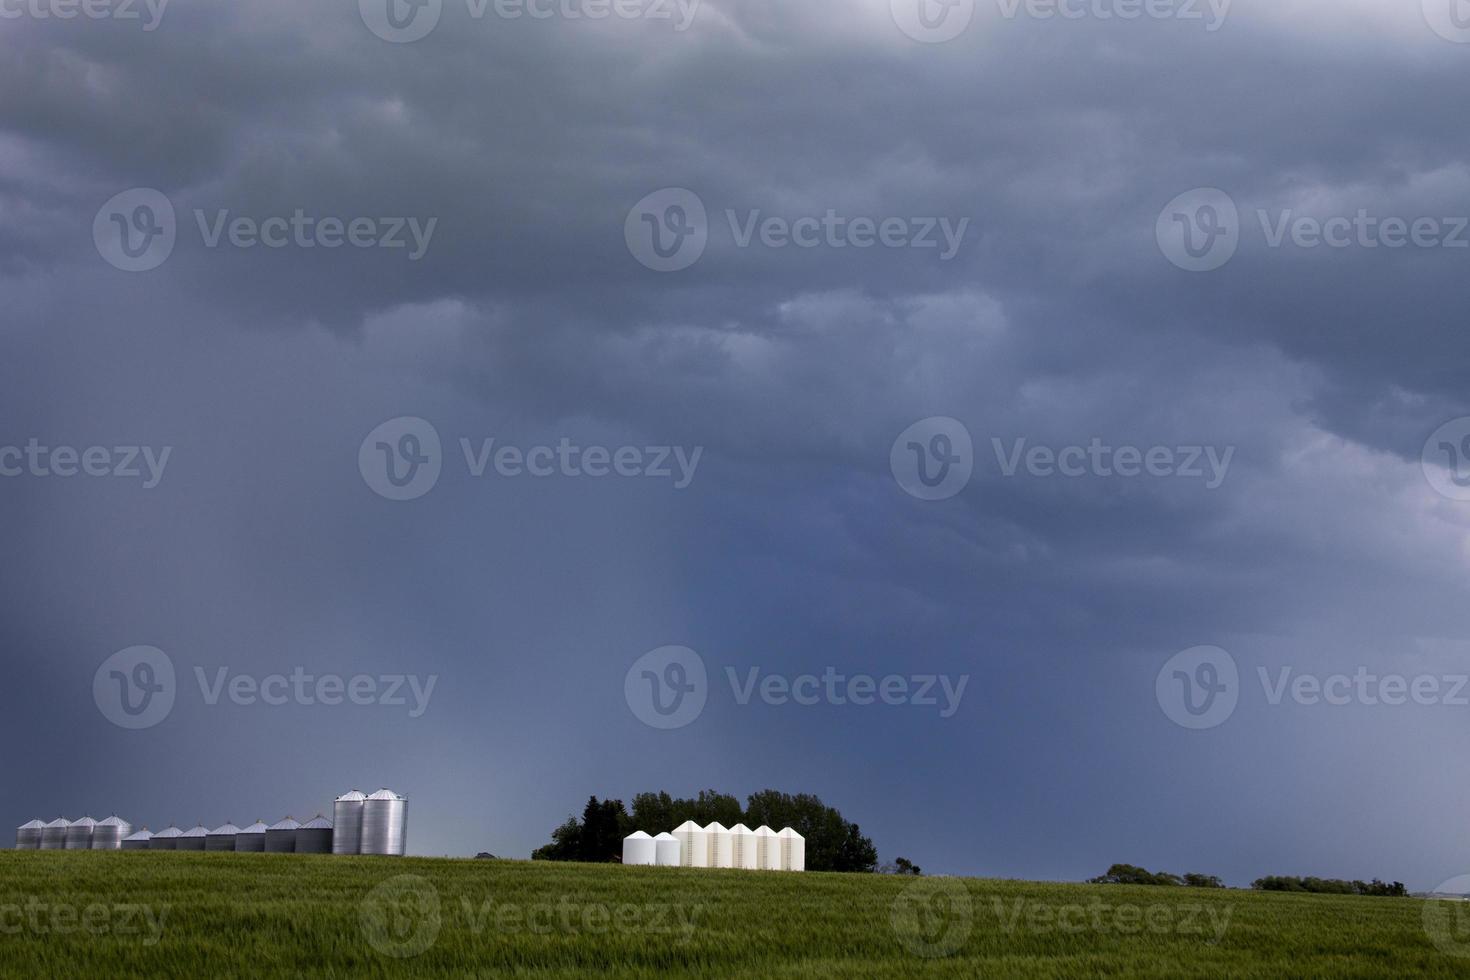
<point x="1091" y="231"/>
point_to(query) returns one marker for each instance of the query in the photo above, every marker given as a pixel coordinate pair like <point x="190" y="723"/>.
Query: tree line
<point x="1129" y="874"/>
<point x="832" y="842"/>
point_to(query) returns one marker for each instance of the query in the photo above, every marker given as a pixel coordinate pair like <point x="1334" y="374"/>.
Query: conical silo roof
<point x="31" y="825"/>
<point x="113" y="821"/>
<point x="84" y="822"/>
<point x="143" y="834"/>
<point x="59" y="822"/>
<point x="226" y="829"/>
<point x="287" y="824"/>
<point x="320" y="823"/>
<point x="198" y="831"/>
<point x="258" y="827"/>
<point x="169" y="832"/>
<point x="386" y="794"/>
<point x="352" y="796"/>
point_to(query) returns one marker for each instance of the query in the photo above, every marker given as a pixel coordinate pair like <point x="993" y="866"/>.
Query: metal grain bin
<point x="721" y="854"/>
<point x="743" y="851"/>
<point x="166" y="839"/>
<point x="193" y="839"/>
<point x="280" y="838"/>
<point x="315" y="836"/>
<point x="53" y="835"/>
<point x="793" y="850"/>
<point x="347" y="823"/>
<point x="385" y="824"/>
<point x="693" y="845"/>
<point x="767" y="848"/>
<point x="252" y="838"/>
<point x="79" y="834"/>
<point x="108" y="834"/>
<point x="666" y="850"/>
<point x="638" y="848"/>
<point x="28" y="836"/>
<point x="138" y="841"/>
<point x="222" y="838"/>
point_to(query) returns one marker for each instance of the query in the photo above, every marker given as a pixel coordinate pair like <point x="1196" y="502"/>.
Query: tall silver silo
<point x="28" y="836"/>
<point x="385" y="824"/>
<point x="53" y="835"/>
<point x="315" y="836"/>
<point x="79" y="834"/>
<point x="138" y="841"/>
<point x="251" y="838"/>
<point x="280" y="838"/>
<point x="166" y="839"/>
<point x="347" y="823"/>
<point x="193" y="839"/>
<point x="222" y="838"/>
<point x="108" y="834"/>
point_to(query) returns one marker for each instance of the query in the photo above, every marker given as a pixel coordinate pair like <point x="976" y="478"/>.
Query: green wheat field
<point x="155" y="914"/>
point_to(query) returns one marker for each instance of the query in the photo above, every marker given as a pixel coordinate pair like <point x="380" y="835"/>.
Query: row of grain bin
<point x="376" y="825"/>
<point x="61" y="834"/>
<point x="693" y="846"/>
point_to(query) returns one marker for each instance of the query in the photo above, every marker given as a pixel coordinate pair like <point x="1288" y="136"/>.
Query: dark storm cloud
<point x="1057" y="321"/>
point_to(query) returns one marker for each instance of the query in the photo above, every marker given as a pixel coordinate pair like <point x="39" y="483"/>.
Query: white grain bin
<point x="53" y="835"/>
<point x="108" y="834"/>
<point x="315" y="836"/>
<point x="743" y="851"/>
<point x="666" y="850"/>
<point x="280" y="838"/>
<point x="138" y="841"/>
<point x="793" y="850"/>
<point x="252" y="838"/>
<point x="193" y="839"/>
<point x="721" y="854"/>
<point x="638" y="848"/>
<point x="166" y="839"/>
<point x="28" y="836"/>
<point x="767" y="849"/>
<point x="79" y="834"/>
<point x="385" y="824"/>
<point x="693" y="845"/>
<point x="347" y="823"/>
<point x="222" y="838"/>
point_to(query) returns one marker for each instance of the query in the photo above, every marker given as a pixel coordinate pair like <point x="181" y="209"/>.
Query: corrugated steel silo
<point x="639" y="848"/>
<point x="193" y="839"/>
<point x="280" y="838"/>
<point x="53" y="835"/>
<point x="693" y="845"/>
<point x="138" y="841"/>
<point x="251" y="838"/>
<point x="743" y="852"/>
<point x="166" y="839"/>
<point x="721" y="846"/>
<point x="222" y="838"/>
<point x="315" y="836"/>
<point x="793" y="850"/>
<point x="28" y="836"/>
<point x="385" y="824"/>
<point x="666" y="850"/>
<point x="108" y="834"/>
<point x="767" y="848"/>
<point x="79" y="834"/>
<point x="347" y="823"/>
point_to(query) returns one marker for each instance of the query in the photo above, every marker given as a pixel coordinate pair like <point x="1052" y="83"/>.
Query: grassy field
<point x="143" y="914"/>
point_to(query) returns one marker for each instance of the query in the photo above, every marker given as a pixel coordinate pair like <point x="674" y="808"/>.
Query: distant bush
<point x="1131" y="874"/>
<point x="1329" y="886"/>
<point x="1194" y="880"/>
